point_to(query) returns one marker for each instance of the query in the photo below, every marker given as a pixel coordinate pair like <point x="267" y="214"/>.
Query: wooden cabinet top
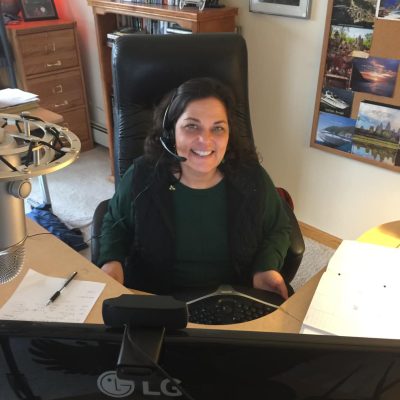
<point x="161" y="12"/>
<point x="26" y="28"/>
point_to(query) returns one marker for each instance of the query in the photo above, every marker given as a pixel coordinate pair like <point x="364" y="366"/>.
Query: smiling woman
<point x="197" y="210"/>
<point x="201" y="136"/>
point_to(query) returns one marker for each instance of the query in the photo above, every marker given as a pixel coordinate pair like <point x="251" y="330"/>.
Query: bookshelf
<point x="106" y="14"/>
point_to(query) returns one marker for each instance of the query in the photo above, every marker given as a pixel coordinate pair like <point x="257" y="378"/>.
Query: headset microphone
<point x="178" y="157"/>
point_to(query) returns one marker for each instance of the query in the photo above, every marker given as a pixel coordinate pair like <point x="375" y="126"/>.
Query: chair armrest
<point x="97" y="222"/>
<point x="296" y="249"/>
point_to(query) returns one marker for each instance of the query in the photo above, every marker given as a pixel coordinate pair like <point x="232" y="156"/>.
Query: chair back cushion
<point x="146" y="67"/>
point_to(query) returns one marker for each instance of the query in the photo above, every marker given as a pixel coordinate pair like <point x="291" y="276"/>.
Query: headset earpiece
<point x="167" y="138"/>
<point x="167" y="132"/>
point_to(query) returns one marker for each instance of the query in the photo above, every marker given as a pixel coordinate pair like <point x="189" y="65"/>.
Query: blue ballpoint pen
<point x="66" y="283"/>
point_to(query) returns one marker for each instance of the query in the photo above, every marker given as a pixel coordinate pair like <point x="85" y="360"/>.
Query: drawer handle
<point x="64" y="103"/>
<point x="58" y="89"/>
<point x="58" y="63"/>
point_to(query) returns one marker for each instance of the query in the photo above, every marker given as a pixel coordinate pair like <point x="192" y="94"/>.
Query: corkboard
<point x="385" y="44"/>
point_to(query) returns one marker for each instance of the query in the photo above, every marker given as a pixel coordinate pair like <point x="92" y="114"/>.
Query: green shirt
<point x="201" y="247"/>
<point x="201" y="232"/>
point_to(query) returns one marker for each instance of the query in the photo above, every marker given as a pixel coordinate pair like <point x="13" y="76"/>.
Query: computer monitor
<point x="54" y="361"/>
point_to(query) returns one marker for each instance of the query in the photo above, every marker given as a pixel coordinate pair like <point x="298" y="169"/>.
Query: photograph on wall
<point x="287" y="8"/>
<point x="374" y="75"/>
<point x="377" y="133"/>
<point x="388" y="9"/>
<point x="335" y="131"/>
<point x="354" y="12"/>
<point x="35" y="10"/>
<point x="336" y="101"/>
<point x="345" y="42"/>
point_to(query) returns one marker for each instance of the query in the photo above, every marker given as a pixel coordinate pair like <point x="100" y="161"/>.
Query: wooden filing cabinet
<point x="48" y="64"/>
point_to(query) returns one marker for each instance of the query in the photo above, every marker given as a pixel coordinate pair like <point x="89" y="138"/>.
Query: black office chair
<point x="145" y="67"/>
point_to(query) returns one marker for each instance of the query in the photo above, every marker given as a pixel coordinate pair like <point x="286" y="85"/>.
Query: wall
<point x="79" y="11"/>
<point x="340" y="196"/>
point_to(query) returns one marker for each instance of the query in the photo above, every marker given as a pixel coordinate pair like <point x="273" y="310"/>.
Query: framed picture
<point x="287" y="8"/>
<point x="35" y="10"/>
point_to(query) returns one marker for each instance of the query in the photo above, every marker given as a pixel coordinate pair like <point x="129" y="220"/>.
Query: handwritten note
<point x="28" y="302"/>
<point x="359" y="293"/>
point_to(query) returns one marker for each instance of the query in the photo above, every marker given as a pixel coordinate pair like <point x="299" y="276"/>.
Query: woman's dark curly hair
<point x="240" y="150"/>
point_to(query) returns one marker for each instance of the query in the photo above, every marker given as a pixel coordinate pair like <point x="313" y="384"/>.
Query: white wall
<point x="79" y="11"/>
<point x="340" y="196"/>
<point x="337" y="195"/>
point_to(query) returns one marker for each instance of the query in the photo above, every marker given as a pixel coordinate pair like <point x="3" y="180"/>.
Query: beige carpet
<point x="76" y="190"/>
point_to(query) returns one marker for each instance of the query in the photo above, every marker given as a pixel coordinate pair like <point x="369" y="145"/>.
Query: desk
<point x="385" y="235"/>
<point x="45" y="115"/>
<point x="49" y="255"/>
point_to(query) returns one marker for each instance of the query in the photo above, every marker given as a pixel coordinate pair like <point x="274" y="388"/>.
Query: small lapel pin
<point x="171" y="188"/>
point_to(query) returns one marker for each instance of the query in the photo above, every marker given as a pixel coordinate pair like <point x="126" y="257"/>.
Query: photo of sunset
<point x="374" y="75"/>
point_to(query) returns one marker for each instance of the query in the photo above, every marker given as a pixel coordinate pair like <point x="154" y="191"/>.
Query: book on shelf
<point x="155" y="2"/>
<point x="145" y="26"/>
<point x="177" y="29"/>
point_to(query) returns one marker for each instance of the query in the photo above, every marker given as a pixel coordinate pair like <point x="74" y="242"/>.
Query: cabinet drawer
<point x="76" y="121"/>
<point x="48" y="51"/>
<point x="59" y="92"/>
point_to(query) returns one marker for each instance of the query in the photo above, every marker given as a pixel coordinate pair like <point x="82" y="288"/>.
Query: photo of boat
<point x="332" y="139"/>
<point x="393" y="15"/>
<point x="375" y="75"/>
<point x="389" y="9"/>
<point x="336" y="101"/>
<point x="330" y="99"/>
<point x="335" y="131"/>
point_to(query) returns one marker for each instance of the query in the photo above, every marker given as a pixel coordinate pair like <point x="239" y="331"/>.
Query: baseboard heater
<point x="100" y="134"/>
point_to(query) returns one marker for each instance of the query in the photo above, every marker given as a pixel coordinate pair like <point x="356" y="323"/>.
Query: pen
<point x="66" y="283"/>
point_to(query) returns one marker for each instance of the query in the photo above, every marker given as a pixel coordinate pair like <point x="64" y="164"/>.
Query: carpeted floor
<point x="76" y="190"/>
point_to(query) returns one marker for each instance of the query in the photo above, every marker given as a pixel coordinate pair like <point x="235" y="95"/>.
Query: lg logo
<point x="112" y="386"/>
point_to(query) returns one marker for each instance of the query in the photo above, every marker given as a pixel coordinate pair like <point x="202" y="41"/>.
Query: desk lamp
<point x="29" y="147"/>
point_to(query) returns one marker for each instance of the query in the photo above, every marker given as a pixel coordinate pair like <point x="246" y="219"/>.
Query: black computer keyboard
<point x="229" y="306"/>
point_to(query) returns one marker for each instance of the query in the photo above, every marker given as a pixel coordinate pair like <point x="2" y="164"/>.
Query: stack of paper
<point x="359" y="294"/>
<point x="15" y="100"/>
<point x="29" y="301"/>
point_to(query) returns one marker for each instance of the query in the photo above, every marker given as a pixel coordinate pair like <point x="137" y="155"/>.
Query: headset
<point x="167" y="137"/>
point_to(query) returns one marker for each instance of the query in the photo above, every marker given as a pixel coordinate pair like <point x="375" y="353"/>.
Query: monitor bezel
<point x="202" y="336"/>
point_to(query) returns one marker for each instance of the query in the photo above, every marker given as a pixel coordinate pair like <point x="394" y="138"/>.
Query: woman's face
<point x="201" y="135"/>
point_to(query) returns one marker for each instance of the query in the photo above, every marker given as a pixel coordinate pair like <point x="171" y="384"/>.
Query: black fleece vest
<point x="152" y="256"/>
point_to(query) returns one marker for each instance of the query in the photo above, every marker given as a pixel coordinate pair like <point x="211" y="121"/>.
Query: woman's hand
<point x="114" y="269"/>
<point x="270" y="280"/>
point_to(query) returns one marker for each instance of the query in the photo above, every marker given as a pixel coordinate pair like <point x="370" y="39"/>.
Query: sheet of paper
<point x="28" y="302"/>
<point x="359" y="293"/>
<point x="12" y="97"/>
